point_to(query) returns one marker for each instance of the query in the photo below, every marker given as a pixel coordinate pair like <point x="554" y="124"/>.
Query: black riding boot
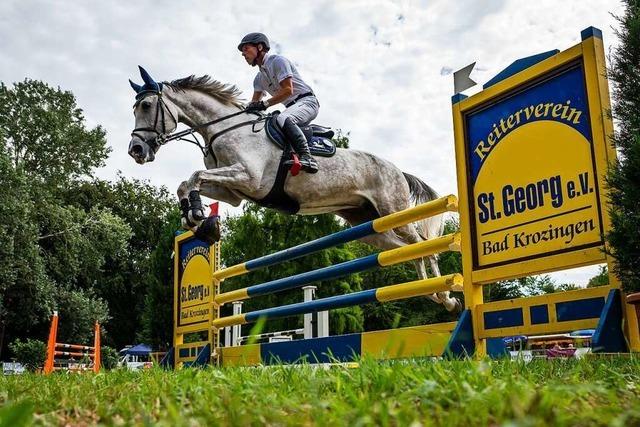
<point x="299" y="142"/>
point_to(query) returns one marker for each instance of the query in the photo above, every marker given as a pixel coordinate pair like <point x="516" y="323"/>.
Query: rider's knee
<point x="290" y="121"/>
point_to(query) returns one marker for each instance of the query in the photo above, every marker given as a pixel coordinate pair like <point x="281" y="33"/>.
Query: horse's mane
<point x="226" y="93"/>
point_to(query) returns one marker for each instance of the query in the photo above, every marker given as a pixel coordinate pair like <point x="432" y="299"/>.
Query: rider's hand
<point x="256" y="106"/>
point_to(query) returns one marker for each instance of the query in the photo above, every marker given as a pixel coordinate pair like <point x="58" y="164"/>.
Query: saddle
<point x="318" y="137"/>
<point x="320" y="144"/>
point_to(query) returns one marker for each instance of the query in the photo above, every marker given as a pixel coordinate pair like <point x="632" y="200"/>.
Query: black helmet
<point x="255" y="38"/>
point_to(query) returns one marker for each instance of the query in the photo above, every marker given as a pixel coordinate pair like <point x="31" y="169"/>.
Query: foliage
<point x="45" y="133"/>
<point x="524" y="287"/>
<point x="269" y="231"/>
<point x="47" y="246"/>
<point x="157" y="314"/>
<point x="600" y="279"/>
<point x="136" y="283"/>
<point x="30" y="353"/>
<point x="450" y="262"/>
<point x="586" y="392"/>
<point x="341" y="139"/>
<point x="108" y="357"/>
<point x="79" y="310"/>
<point x="69" y="242"/>
<point x="624" y="176"/>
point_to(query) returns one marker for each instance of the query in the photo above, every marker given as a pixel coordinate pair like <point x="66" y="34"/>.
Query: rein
<point x="162" y="138"/>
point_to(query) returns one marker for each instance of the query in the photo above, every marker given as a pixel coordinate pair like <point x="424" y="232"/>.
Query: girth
<point x="277" y="198"/>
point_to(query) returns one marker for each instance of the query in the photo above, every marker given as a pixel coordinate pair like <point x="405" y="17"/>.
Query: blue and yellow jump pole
<point x="451" y="282"/>
<point x="380" y="225"/>
<point x="382" y="259"/>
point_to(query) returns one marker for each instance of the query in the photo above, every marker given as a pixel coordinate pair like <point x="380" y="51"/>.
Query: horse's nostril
<point x="136" y="149"/>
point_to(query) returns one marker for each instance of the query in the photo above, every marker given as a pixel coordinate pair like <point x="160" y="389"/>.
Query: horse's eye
<point x="146" y="105"/>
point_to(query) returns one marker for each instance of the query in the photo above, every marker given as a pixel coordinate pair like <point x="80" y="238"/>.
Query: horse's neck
<point x="196" y="108"/>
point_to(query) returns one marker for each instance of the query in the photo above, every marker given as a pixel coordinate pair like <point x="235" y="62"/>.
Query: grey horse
<point x="241" y="163"/>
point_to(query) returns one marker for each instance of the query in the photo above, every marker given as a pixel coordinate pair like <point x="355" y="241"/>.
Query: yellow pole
<point x="451" y="282"/>
<point x="425" y="210"/>
<point x="449" y="242"/>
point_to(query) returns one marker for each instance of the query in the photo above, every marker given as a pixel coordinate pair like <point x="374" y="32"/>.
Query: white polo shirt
<point x="274" y="69"/>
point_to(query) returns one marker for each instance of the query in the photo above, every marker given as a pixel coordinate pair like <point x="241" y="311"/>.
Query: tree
<point x="45" y="134"/>
<point x="259" y="231"/>
<point x="600" y="279"/>
<point x="30" y="353"/>
<point x="26" y="294"/>
<point x="53" y="252"/>
<point x="157" y="314"/>
<point x="624" y="176"/>
<point x="136" y="282"/>
<point x="524" y="287"/>
<point x="91" y="249"/>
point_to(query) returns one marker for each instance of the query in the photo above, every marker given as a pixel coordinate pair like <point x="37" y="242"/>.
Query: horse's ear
<point x="135" y="87"/>
<point x="149" y="82"/>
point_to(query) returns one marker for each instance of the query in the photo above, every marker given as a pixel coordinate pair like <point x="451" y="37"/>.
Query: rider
<point x="280" y="78"/>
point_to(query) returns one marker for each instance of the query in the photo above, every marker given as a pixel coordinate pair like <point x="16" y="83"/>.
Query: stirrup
<point x="307" y="164"/>
<point x="294" y="164"/>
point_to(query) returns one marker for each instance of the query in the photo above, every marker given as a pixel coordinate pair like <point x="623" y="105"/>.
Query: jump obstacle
<point x="70" y="351"/>
<point x="314" y="325"/>
<point x="516" y="220"/>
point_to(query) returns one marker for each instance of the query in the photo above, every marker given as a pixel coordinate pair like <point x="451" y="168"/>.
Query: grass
<point x="421" y="392"/>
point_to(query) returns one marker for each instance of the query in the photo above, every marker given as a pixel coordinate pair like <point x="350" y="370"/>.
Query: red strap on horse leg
<point x="296" y="166"/>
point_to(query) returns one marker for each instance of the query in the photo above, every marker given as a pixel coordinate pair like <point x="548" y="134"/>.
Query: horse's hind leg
<point x="408" y="234"/>
<point x="385" y="241"/>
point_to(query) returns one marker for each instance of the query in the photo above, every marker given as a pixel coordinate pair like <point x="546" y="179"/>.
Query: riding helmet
<point x="255" y="38"/>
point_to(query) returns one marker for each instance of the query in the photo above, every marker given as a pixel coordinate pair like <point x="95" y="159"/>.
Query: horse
<point x="241" y="164"/>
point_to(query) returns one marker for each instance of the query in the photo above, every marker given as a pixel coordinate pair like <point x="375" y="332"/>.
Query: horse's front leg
<point x="211" y="191"/>
<point x="214" y="182"/>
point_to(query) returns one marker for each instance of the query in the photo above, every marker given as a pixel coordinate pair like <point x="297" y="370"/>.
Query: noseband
<point x="162" y="138"/>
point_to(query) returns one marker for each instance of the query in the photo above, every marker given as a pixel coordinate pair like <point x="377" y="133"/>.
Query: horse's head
<point x="155" y="118"/>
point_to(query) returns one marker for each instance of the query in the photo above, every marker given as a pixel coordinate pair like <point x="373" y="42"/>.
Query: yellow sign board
<point x="193" y="294"/>
<point x="531" y="153"/>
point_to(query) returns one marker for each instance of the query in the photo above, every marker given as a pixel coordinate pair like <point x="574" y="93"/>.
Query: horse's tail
<point x="421" y="193"/>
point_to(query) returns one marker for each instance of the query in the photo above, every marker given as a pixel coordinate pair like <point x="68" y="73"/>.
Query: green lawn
<point x="562" y="392"/>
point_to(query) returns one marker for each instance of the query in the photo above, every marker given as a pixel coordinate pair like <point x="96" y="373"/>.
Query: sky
<point x="382" y="70"/>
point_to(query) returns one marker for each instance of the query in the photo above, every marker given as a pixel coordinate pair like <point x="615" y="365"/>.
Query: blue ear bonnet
<point x="150" y="86"/>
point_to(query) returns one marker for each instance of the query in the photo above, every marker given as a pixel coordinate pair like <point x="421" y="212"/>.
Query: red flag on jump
<point x="214" y="208"/>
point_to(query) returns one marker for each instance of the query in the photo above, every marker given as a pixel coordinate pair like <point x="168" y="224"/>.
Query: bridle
<point x="162" y="138"/>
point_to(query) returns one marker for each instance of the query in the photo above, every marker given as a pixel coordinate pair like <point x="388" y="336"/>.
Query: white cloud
<point x="378" y="67"/>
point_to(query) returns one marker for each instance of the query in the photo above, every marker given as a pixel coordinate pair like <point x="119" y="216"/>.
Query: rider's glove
<point x="256" y="106"/>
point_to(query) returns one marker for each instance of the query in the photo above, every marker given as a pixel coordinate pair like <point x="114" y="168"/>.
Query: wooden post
<point x="51" y="344"/>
